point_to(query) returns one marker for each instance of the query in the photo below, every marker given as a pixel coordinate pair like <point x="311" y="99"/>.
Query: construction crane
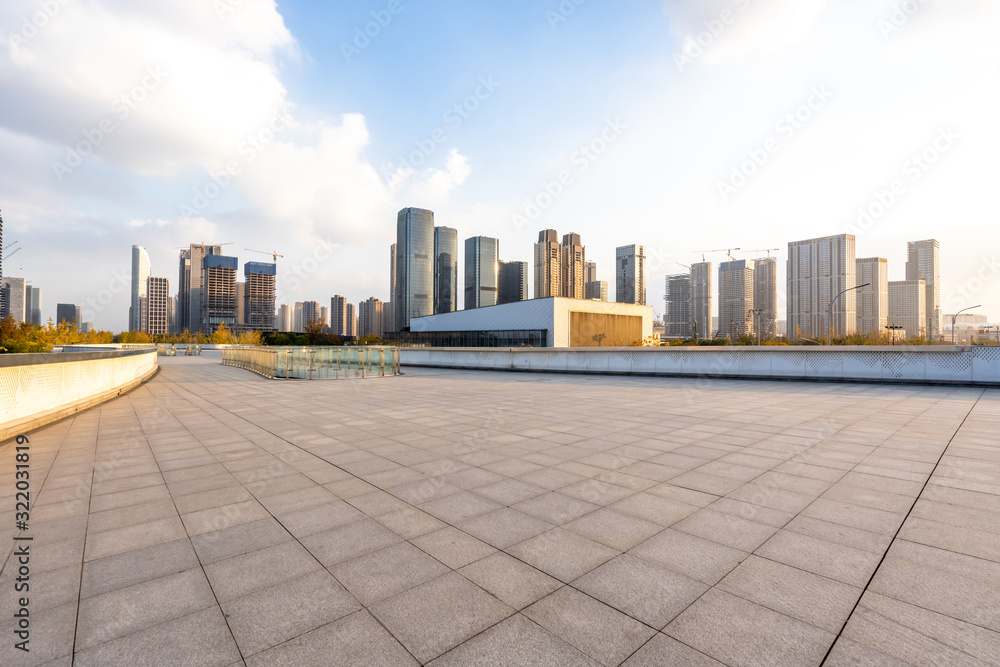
<point x="11" y="254"/>
<point x="767" y="250"/>
<point x="185" y="247"/>
<point x="684" y="265"/>
<point x="728" y="251"/>
<point x="274" y="254"/>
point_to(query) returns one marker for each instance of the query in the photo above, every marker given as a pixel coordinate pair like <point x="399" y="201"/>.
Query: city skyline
<point x="325" y="156"/>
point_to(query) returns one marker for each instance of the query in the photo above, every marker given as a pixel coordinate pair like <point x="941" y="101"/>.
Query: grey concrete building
<point x="817" y="271"/>
<point x="548" y="265"/>
<point x="736" y="298"/>
<point x="482" y="272"/>
<point x="574" y="262"/>
<point x="370" y="317"/>
<point x="765" y="295"/>
<point x="701" y="299"/>
<point x="908" y="306"/>
<point x="140" y="276"/>
<point x="260" y="295"/>
<point x="14" y="292"/>
<point x="596" y="290"/>
<point x="66" y="312"/>
<point x="677" y="320"/>
<point x="414" y="288"/>
<point x="154" y="318"/>
<point x="513" y="282"/>
<point x="873" y="302"/>
<point x="338" y="315"/>
<point x="923" y="262"/>
<point x="630" y="274"/>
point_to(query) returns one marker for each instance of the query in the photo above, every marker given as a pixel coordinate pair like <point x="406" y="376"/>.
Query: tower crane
<point x="274" y="254"/>
<point x="728" y="251"/>
<point x="185" y="247"/>
<point x="767" y="250"/>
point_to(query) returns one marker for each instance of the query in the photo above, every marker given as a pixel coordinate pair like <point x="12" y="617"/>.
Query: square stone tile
<point x="228" y="542"/>
<point x="646" y="592"/>
<point x="665" y="650"/>
<point x="433" y="618"/>
<point x="597" y="492"/>
<point x="217" y="518"/>
<point x="510" y="491"/>
<point x="459" y="506"/>
<point x="376" y="503"/>
<point x="410" y="522"/>
<point x="515" y="641"/>
<point x="829" y="559"/>
<point x="513" y="582"/>
<point x="134" y="567"/>
<point x="270" y="616"/>
<point x="240" y="575"/>
<point x="130" y="538"/>
<point x="504" y="527"/>
<point x="555" y="508"/>
<point x="453" y="547"/>
<point x="694" y="557"/>
<point x="381" y="574"/>
<point x="614" y="529"/>
<point x="733" y="531"/>
<point x="662" y="511"/>
<point x="562" y="554"/>
<point x="320" y="518"/>
<point x="350" y="541"/>
<point x="737" y="632"/>
<point x="594" y="628"/>
<point x="357" y="640"/>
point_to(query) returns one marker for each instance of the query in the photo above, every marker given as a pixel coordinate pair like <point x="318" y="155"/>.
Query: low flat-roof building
<point x="548" y="322"/>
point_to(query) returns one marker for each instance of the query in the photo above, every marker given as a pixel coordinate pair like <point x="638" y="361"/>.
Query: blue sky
<point x="873" y="83"/>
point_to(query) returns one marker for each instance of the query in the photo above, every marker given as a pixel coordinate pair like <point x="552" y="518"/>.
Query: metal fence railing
<point x="314" y="363"/>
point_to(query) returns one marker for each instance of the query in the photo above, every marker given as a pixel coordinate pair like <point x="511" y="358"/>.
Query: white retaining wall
<point x="927" y="364"/>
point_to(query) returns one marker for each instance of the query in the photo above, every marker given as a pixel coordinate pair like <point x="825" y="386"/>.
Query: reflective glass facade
<point x="445" y="270"/>
<point x="414" y="290"/>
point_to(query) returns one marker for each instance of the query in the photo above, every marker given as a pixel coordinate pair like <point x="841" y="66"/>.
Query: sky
<point x="302" y="128"/>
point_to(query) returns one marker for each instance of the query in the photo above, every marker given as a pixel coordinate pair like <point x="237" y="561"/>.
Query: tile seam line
<point x="898" y="530"/>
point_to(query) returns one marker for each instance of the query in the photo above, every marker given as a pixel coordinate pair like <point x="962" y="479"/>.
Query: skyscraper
<point x="873" y="302"/>
<point x="66" y="312"/>
<point x="765" y="295"/>
<point x="218" y="292"/>
<point x="513" y="282"/>
<point x="574" y="261"/>
<point x="193" y="285"/>
<point x="184" y="292"/>
<point x="414" y="290"/>
<point x="482" y="266"/>
<point x="818" y="270"/>
<point x="596" y="289"/>
<point x="548" y="265"/>
<point x="908" y="306"/>
<point x="370" y="317"/>
<point x="338" y="315"/>
<point x="33" y="305"/>
<point x="140" y="274"/>
<point x="677" y="319"/>
<point x="352" y="321"/>
<point x="923" y="262"/>
<point x="630" y="274"/>
<point x="701" y="299"/>
<point x="388" y="310"/>
<point x="155" y="301"/>
<point x="446" y="270"/>
<point x="589" y="272"/>
<point x="259" y="295"/>
<point x="287" y="317"/>
<point x="310" y="313"/>
<point x="14" y="294"/>
<point x="736" y="292"/>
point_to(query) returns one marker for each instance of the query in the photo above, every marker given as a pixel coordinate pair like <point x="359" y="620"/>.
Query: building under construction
<point x="259" y="296"/>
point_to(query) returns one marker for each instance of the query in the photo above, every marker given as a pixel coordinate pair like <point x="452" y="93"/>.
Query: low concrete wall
<point x="37" y="389"/>
<point x="956" y="365"/>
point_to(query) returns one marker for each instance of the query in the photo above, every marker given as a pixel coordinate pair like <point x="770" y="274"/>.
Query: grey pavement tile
<point x="349" y="541"/>
<point x="453" y="547"/>
<point x="646" y="592"/>
<point x="515" y="641"/>
<point x="51" y="634"/>
<point x="298" y="500"/>
<point x="614" y="529"/>
<point x="562" y="554"/>
<point x="273" y="615"/>
<point x="349" y="488"/>
<point x="130" y="538"/>
<point x="126" y="498"/>
<point x="594" y="628"/>
<point x="46" y="590"/>
<point x="237" y="540"/>
<point x="504" y="527"/>
<point x="757" y="513"/>
<point x="206" y="641"/>
<point x="226" y="516"/>
<point x="513" y="582"/>
<point x="357" y="640"/>
<point x="472" y="478"/>
<point x="657" y="509"/>
<point x="237" y="576"/>
<point x="737" y="632"/>
<point x="733" y="531"/>
<point x="555" y="508"/>
<point x="823" y="602"/>
<point x="680" y="494"/>
<point x="134" y="567"/>
<point x="773" y="497"/>
<point x="848" y="653"/>
<point x="202" y="500"/>
<point x="459" y="506"/>
<point x="550" y="478"/>
<point x="127" y="610"/>
<point x="706" y="483"/>
<point x="665" y="650"/>
<point x="953" y="537"/>
<point x="829" y="559"/>
<point x="376" y="503"/>
<point x="381" y="574"/>
<point x="694" y="557"/>
<point x="597" y="492"/>
<point x="320" y="518"/>
<point x="872" y="498"/>
<point x="834" y="532"/>
<point x="509" y="491"/>
<point x="433" y="618"/>
<point x="410" y="522"/>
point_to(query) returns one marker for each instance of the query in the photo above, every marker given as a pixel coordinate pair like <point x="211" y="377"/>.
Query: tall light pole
<point x="829" y="320"/>
<point x="955" y="317"/>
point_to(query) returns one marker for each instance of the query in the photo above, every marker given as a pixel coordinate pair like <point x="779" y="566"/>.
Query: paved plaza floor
<point x="214" y="517"/>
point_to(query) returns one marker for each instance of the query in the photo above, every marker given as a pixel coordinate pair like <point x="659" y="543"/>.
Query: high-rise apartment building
<point x="513" y="282"/>
<point x="873" y="302"/>
<point x="677" y="320"/>
<point x="414" y="290"/>
<point x="630" y="274"/>
<point x="817" y="271"/>
<point x="172" y="315"/>
<point x="701" y="299"/>
<point x="590" y="272"/>
<point x="15" y="291"/>
<point x="548" y="265"/>
<point x="388" y="310"/>
<point x="310" y="314"/>
<point x="218" y="292"/>
<point x="370" y="317"/>
<point x="241" y="290"/>
<point x="287" y="318"/>
<point x="482" y="272"/>
<point x="574" y="262"/>
<point x="324" y="315"/>
<point x="596" y="290"/>
<point x="923" y="262"/>
<point x="155" y="300"/>
<point x="338" y="315"/>
<point x="33" y="305"/>
<point x="445" y="270"/>
<point x="908" y="306"/>
<point x="736" y="298"/>
<point x="259" y="295"/>
<point x="765" y="296"/>
<point x="140" y="274"/>
<point x="66" y="312"/>
<point x="351" y="321"/>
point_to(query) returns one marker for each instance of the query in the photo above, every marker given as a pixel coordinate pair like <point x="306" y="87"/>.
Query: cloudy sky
<point x="683" y="125"/>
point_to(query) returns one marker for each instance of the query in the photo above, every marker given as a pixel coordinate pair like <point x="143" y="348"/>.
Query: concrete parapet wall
<point x="958" y="365"/>
<point x="39" y="389"/>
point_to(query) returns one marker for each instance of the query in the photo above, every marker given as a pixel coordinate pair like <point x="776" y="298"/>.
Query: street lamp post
<point x="829" y="320"/>
<point x="955" y="317"/>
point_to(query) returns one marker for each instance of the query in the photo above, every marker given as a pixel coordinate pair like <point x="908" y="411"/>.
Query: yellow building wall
<point x="603" y="330"/>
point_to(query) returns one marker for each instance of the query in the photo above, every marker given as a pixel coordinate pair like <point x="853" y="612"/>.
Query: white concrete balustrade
<point x="931" y="364"/>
